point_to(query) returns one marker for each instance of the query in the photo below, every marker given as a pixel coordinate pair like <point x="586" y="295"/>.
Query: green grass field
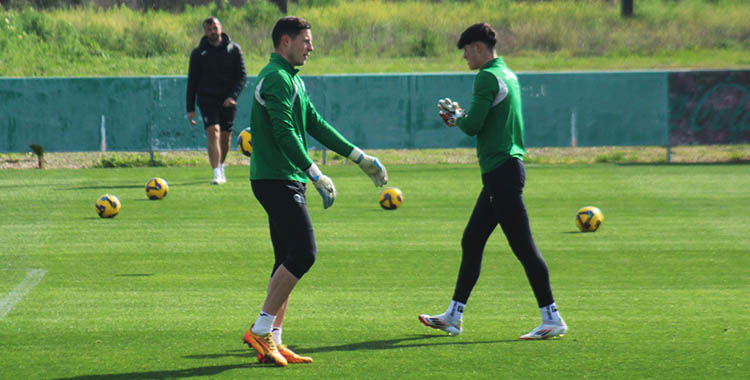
<point x="166" y="289"/>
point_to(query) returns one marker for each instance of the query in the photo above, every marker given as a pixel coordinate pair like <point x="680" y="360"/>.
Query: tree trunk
<point x="281" y="4"/>
<point x="627" y="8"/>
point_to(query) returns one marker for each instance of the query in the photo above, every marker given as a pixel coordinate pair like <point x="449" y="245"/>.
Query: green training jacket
<point x="495" y="115"/>
<point x="282" y="116"/>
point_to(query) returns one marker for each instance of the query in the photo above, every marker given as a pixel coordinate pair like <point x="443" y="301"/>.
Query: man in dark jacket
<point x="217" y="77"/>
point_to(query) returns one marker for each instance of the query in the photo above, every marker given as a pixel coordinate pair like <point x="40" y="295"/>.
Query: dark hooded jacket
<point x="215" y="72"/>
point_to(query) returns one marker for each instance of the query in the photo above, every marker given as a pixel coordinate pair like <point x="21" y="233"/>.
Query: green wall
<point x="373" y="111"/>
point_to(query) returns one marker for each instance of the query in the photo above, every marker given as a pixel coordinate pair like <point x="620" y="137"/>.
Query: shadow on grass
<point x="386" y="344"/>
<point x="173" y="374"/>
<point x="389" y="344"/>
<point x="190" y="183"/>
<point x="103" y="188"/>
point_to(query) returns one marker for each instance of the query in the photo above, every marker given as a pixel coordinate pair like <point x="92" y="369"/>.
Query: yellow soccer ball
<point x="589" y="218"/>
<point x="108" y="206"/>
<point x="156" y="188"/>
<point x="245" y="142"/>
<point x="391" y="198"/>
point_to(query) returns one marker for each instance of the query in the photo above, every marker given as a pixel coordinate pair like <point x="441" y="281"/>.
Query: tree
<point x="282" y="4"/>
<point x="627" y="8"/>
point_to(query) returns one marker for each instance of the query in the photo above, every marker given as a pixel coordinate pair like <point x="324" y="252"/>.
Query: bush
<point x="260" y="12"/>
<point x="129" y="160"/>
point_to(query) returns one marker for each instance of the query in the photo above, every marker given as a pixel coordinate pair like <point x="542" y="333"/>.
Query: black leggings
<point x="292" y="232"/>
<point x="501" y="201"/>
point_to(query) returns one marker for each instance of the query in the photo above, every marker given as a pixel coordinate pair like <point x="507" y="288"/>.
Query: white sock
<point x="276" y="333"/>
<point x="550" y="313"/>
<point x="222" y="170"/>
<point x="455" y="310"/>
<point x="263" y="324"/>
<point x="217" y="172"/>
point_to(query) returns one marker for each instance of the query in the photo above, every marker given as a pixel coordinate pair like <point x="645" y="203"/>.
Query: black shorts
<point x="291" y="228"/>
<point x="214" y="112"/>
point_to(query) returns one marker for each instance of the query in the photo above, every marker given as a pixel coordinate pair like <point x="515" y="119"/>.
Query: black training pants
<point x="501" y="201"/>
<point x="292" y="233"/>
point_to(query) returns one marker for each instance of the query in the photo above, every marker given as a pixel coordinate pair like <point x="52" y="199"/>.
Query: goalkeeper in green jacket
<point x="282" y="117"/>
<point x="496" y="120"/>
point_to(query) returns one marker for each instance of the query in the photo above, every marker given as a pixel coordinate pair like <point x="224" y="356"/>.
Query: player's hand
<point x="450" y="111"/>
<point x="230" y="102"/>
<point x="323" y="184"/>
<point x="371" y="166"/>
<point x="191" y="116"/>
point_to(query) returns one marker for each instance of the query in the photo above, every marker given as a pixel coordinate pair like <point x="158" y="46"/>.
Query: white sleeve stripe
<point x="257" y="93"/>
<point x="502" y="93"/>
<point x="262" y="102"/>
<point x="294" y="97"/>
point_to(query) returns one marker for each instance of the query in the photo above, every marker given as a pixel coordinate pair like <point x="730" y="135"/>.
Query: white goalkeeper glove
<point x="450" y="111"/>
<point x="370" y="165"/>
<point x="323" y="184"/>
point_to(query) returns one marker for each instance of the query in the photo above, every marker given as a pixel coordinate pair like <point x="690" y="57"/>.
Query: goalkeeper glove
<point x="370" y="165"/>
<point x="450" y="111"/>
<point x="323" y="184"/>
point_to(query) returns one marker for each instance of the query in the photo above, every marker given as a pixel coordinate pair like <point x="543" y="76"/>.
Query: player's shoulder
<point x="274" y="79"/>
<point x="234" y="47"/>
<point x="277" y="73"/>
<point x="196" y="52"/>
<point x="488" y="78"/>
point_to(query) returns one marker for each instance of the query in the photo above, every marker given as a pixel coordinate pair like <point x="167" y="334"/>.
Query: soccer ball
<point x="156" y="188"/>
<point x="391" y="198"/>
<point x="245" y="142"/>
<point x="589" y="218"/>
<point x="108" y="206"/>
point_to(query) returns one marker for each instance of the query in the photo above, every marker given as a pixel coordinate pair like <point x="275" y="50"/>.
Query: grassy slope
<point x="167" y="288"/>
<point x="376" y="36"/>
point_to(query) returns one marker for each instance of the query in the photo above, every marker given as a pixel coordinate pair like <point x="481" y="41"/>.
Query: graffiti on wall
<point x="709" y="107"/>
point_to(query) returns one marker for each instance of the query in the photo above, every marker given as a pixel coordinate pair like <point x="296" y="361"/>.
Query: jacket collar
<point x="494" y="62"/>
<point x="281" y="61"/>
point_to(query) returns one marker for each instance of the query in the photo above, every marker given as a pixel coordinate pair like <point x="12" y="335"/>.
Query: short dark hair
<point x="481" y="32"/>
<point x="210" y="20"/>
<point x="289" y="25"/>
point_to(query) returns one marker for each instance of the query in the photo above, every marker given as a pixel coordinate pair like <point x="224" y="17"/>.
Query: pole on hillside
<point x="627" y="8"/>
<point x="281" y="4"/>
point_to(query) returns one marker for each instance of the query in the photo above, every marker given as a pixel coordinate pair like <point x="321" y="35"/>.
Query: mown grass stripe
<point x="33" y="277"/>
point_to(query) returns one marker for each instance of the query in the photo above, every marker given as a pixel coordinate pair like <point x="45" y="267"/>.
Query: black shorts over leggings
<point x="213" y="112"/>
<point x="291" y="227"/>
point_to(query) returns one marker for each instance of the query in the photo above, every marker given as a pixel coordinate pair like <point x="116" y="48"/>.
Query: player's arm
<point x="322" y="131"/>
<point x="332" y="139"/>
<point x="277" y="92"/>
<point x="240" y="74"/>
<point x="192" y="81"/>
<point x="485" y="90"/>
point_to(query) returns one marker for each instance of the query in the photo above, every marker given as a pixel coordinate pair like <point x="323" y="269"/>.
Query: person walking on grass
<point x="282" y="117"/>
<point x="216" y="76"/>
<point x="495" y="118"/>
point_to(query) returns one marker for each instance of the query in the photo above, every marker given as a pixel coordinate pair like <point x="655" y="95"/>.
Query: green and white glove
<point x="323" y="184"/>
<point x="450" y="111"/>
<point x="370" y="165"/>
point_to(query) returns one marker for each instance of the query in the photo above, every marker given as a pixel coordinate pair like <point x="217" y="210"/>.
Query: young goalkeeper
<point x="495" y="119"/>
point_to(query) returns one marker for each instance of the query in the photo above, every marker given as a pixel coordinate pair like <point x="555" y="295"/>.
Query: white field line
<point x="16" y="295"/>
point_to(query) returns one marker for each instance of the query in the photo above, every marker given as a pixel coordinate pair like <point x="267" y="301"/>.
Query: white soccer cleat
<point x="442" y="322"/>
<point x="546" y="331"/>
<point x="218" y="180"/>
